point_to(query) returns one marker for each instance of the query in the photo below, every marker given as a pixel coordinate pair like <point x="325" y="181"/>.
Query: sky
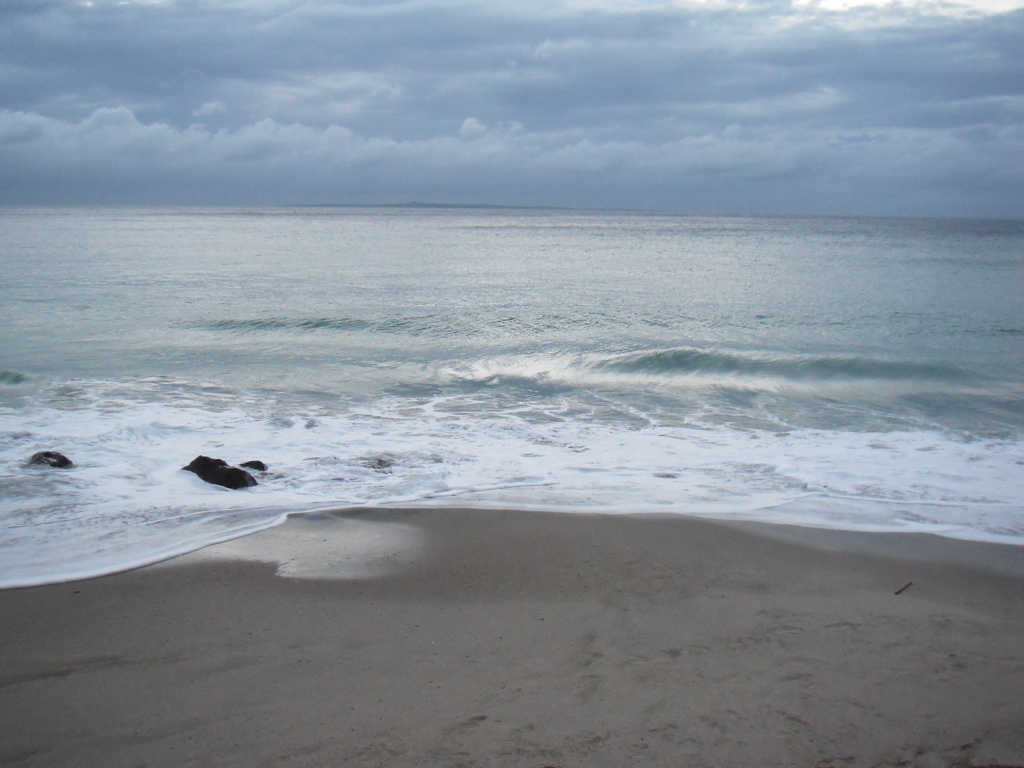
<point x="734" y="106"/>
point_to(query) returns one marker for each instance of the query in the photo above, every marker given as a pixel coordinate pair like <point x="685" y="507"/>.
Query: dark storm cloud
<point x="765" y="107"/>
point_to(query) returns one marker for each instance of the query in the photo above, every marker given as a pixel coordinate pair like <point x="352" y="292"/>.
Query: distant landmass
<point x="476" y="206"/>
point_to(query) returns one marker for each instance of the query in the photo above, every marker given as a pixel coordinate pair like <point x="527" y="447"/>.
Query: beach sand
<point x="502" y="638"/>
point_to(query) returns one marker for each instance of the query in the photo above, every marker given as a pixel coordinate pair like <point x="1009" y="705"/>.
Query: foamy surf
<point x="127" y="502"/>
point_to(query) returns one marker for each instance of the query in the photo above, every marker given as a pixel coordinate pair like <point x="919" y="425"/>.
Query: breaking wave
<point x="684" y="361"/>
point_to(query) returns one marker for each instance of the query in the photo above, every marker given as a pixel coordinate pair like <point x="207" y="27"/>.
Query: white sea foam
<point x="127" y="502"/>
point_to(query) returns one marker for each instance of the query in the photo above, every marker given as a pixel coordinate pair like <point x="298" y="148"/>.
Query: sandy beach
<point x="492" y="638"/>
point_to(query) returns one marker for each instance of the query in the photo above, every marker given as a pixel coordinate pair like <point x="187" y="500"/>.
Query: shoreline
<point x="487" y="637"/>
<point x="1006" y="556"/>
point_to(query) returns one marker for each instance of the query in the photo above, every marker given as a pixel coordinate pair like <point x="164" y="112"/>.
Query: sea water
<point x="841" y="372"/>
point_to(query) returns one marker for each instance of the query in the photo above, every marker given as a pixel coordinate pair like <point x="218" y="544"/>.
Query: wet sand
<point x="497" y="638"/>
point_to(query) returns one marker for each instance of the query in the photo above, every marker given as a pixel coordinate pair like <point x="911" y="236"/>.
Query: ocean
<point x="854" y="373"/>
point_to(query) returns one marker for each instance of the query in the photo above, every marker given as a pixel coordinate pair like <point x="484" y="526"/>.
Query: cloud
<point x="124" y="160"/>
<point x="762" y="106"/>
<point x="472" y="128"/>
<point x="210" y="108"/>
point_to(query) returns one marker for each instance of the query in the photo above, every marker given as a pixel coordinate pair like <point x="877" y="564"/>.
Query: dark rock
<point x="259" y="466"/>
<point x="218" y="472"/>
<point x="51" y="459"/>
<point x="381" y="462"/>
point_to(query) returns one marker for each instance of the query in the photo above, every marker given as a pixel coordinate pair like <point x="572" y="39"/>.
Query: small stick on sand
<point x="898" y="591"/>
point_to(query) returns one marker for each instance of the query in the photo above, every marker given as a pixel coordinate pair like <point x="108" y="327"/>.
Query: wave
<point x="435" y="325"/>
<point x="689" y="361"/>
<point x="697" y="369"/>
<point x="417" y="326"/>
<point x="288" y="324"/>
